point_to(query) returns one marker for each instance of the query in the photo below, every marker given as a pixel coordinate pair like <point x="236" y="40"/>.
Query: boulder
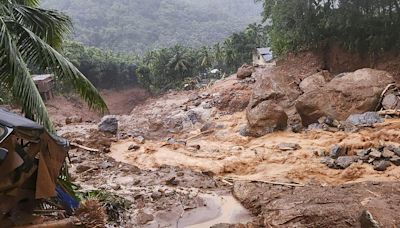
<point x="315" y="81"/>
<point x="365" y="119"/>
<point x="271" y="106"/>
<point x="265" y="118"/>
<point x="391" y="101"/>
<point x="108" y="124"/>
<point x="346" y="94"/>
<point x="245" y="71"/>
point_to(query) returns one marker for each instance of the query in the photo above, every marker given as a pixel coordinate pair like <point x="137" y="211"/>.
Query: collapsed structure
<point x="30" y="163"/>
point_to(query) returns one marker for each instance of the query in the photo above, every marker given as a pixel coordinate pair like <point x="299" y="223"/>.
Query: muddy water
<point x="218" y="209"/>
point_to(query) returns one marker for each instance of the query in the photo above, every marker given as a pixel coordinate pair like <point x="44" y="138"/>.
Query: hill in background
<point x="137" y="25"/>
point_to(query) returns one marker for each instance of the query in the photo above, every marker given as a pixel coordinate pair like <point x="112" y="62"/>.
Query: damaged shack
<point x="30" y="163"/>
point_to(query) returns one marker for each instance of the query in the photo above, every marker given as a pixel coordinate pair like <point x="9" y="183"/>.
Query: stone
<point x="347" y="94"/>
<point x="265" y="118"/>
<point x="395" y="160"/>
<point x="367" y="220"/>
<point x="289" y="146"/>
<point x="140" y="139"/>
<point x="328" y="161"/>
<point x="143" y="218"/>
<point x="375" y="154"/>
<point x="245" y="71"/>
<point x="105" y="165"/>
<point x="345" y="161"/>
<point x="207" y="126"/>
<point x="108" y="124"/>
<point x="387" y="153"/>
<point x="172" y="181"/>
<point x="391" y="101"/>
<point x="382" y="165"/>
<point x="337" y="151"/>
<point x="363" y="154"/>
<point x="193" y="117"/>
<point x="366" y="119"/>
<point x="394" y="149"/>
<point x="133" y="147"/>
<point x="156" y="195"/>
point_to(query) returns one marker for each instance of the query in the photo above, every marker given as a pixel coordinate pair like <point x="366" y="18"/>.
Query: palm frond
<point x="15" y="73"/>
<point x="51" y="26"/>
<point x="38" y="53"/>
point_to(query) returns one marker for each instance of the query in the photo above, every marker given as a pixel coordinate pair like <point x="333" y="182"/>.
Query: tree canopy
<point x="139" y="26"/>
<point x="366" y="26"/>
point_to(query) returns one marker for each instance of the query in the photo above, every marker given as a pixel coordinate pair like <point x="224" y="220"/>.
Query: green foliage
<point x="366" y="26"/>
<point x="104" y="69"/>
<point x="139" y="26"/>
<point x="29" y="38"/>
<point x="167" y="68"/>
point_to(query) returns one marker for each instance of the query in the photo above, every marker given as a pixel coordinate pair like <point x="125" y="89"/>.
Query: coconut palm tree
<point x="180" y="61"/>
<point x="30" y="38"/>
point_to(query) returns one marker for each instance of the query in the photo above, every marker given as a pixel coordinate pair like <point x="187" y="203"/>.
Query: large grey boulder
<point x="346" y="94"/>
<point x="108" y="124"/>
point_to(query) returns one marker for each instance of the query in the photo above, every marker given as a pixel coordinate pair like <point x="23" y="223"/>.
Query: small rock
<point x="328" y="161"/>
<point x="134" y="147"/>
<point x="345" y="161"/>
<point x="244" y="131"/>
<point x="387" y="153"/>
<point x="396" y="150"/>
<point x="337" y="151"/>
<point x="172" y="181"/>
<point x="368" y="221"/>
<point x="143" y="218"/>
<point x="289" y="146"/>
<point x="375" y="154"/>
<point x="395" y="160"/>
<point x="156" y="195"/>
<point x="207" y="126"/>
<point x="382" y="165"/>
<point x="366" y="119"/>
<point x="105" y="165"/>
<point x="140" y="139"/>
<point x="115" y="187"/>
<point x="171" y="141"/>
<point x="391" y="101"/>
<point x="204" y="95"/>
<point x="207" y="105"/>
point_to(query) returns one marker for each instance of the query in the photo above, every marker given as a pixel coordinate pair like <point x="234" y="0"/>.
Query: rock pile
<point x="381" y="158"/>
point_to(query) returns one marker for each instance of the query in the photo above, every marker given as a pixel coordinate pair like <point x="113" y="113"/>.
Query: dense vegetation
<point x="165" y="68"/>
<point x="105" y="69"/>
<point x="365" y="26"/>
<point x="139" y="26"/>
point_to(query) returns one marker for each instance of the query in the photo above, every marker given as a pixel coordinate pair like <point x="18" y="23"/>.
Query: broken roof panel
<point x="12" y="120"/>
